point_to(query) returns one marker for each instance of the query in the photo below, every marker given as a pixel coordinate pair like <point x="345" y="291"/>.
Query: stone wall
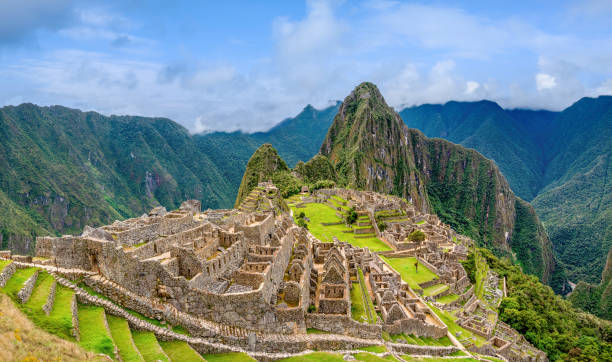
<point x="416" y="327"/>
<point x="50" y="299"/>
<point x="75" y="318"/>
<point x="7" y="273"/>
<point x="24" y="294"/>
<point x="424" y="350"/>
<point x="342" y="324"/>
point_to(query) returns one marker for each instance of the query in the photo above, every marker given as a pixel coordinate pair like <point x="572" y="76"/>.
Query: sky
<point x="247" y="65"/>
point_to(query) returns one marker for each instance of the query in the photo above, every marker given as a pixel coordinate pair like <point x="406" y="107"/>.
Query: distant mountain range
<point x="63" y="168"/>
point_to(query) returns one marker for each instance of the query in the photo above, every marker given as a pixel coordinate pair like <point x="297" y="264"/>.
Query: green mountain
<point x="296" y="139"/>
<point x="557" y="160"/>
<point x="372" y="149"/>
<point x="63" y="169"/>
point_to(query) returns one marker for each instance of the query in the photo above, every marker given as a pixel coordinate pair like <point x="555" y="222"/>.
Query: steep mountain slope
<point x="371" y="148"/>
<point x="64" y="169"/>
<point x="511" y="138"/>
<point x="558" y="159"/>
<point x="296" y="139"/>
<point x="596" y="298"/>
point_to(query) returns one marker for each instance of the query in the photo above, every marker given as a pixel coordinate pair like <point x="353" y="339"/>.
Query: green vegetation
<point x="417" y="236"/>
<point x="351" y="216"/>
<point x="406" y="268"/>
<point x="375" y="349"/>
<point x="434" y="290"/>
<point x="548" y="321"/>
<point x="148" y="346"/>
<point x="14" y="285"/>
<point x="120" y="331"/>
<point x="228" y="357"/>
<point x="320" y="213"/>
<point x="180" y="351"/>
<point x="315" y="331"/>
<point x="450" y="321"/>
<point x="93" y="332"/>
<point x="449" y="298"/>
<point x="4" y="263"/>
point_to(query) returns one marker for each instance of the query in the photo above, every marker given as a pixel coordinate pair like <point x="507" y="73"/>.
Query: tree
<point x="417" y="236"/>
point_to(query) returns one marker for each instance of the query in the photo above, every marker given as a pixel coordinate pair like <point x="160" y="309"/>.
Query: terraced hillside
<point x="51" y="303"/>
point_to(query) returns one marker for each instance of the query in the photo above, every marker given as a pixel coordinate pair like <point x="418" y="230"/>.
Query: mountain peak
<point x="264" y="162"/>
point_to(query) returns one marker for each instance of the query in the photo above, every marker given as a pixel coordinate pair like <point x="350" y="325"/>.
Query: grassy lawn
<point x="120" y="330"/>
<point x="434" y="289"/>
<point x="358" y="312"/>
<point x="148" y="346"/>
<point x="228" y="357"/>
<point x="449" y="298"/>
<point x="321" y="213"/>
<point x="14" y="285"/>
<point x="94" y="336"/>
<point x="368" y="300"/>
<point x="409" y="274"/>
<point x="180" y="351"/>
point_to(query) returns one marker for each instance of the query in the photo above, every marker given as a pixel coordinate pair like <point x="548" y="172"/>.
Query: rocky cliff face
<point x="372" y="149"/>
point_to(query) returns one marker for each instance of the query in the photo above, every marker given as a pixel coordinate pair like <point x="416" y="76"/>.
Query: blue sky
<point x="247" y="65"/>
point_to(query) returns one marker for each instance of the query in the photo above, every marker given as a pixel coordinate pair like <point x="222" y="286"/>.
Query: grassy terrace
<point x="321" y="213"/>
<point x="421" y="341"/>
<point x="408" y="272"/>
<point x="228" y="357"/>
<point x="122" y="336"/>
<point x="180" y="351"/>
<point x="449" y="298"/>
<point x="13" y="286"/>
<point x="361" y="302"/>
<point x="94" y="335"/>
<point x="149" y="347"/>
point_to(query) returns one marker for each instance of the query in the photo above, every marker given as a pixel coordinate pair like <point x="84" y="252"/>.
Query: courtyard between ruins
<point x="251" y="281"/>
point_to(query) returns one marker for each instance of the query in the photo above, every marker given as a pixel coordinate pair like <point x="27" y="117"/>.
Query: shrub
<point x="416" y="236"/>
<point x="351" y="216"/>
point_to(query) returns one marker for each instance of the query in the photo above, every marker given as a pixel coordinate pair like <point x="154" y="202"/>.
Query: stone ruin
<point x="251" y="278"/>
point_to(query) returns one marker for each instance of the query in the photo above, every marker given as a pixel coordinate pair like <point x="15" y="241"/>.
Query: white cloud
<point x="545" y="81"/>
<point x="415" y="53"/>
<point x="471" y="86"/>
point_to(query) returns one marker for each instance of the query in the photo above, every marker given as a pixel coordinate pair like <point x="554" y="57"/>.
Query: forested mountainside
<point x="62" y="169"/>
<point x="371" y="148"/>
<point x="557" y="160"/>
